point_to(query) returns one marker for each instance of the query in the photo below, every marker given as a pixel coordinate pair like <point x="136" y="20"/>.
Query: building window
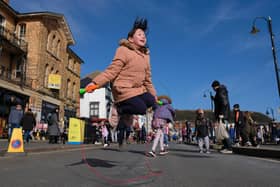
<point x="70" y="63"/>
<point x="18" y="70"/>
<point x="68" y="90"/>
<point x="58" y="48"/>
<point x="2" y="70"/>
<point x="2" y="24"/>
<point x="74" y="91"/>
<point x="22" y="31"/>
<point x="94" y="109"/>
<point x="2" y="20"/>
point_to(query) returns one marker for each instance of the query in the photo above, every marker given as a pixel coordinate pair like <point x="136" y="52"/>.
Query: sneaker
<point x="237" y="144"/>
<point x="207" y="152"/>
<point x="105" y="145"/>
<point x="248" y="143"/>
<point x="152" y="153"/>
<point x="164" y="152"/>
<point x="226" y="151"/>
<point x="200" y="151"/>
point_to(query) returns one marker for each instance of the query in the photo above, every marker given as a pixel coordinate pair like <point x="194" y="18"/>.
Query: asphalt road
<point x="98" y="167"/>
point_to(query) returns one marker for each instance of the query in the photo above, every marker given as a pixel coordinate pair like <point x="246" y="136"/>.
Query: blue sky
<point x="192" y="43"/>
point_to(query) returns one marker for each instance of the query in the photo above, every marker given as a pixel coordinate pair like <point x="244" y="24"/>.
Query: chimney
<point x="6" y="1"/>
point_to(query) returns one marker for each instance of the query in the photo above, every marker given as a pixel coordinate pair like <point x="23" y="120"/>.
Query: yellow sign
<point x="76" y="131"/>
<point x="54" y="81"/>
<point x="16" y="142"/>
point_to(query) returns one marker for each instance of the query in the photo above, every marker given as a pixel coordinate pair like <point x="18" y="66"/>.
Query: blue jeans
<point x="26" y="135"/>
<point x="165" y="139"/>
<point x="13" y="125"/>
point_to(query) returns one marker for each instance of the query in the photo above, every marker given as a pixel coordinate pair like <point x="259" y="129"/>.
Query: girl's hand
<point x="91" y="87"/>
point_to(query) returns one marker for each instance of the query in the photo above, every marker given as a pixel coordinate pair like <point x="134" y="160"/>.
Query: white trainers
<point x="237" y="144"/>
<point x="248" y="143"/>
<point x="226" y="151"/>
<point x="105" y="145"/>
<point x="200" y="151"/>
<point x="207" y="152"/>
<point x="152" y="153"/>
<point x="164" y="152"/>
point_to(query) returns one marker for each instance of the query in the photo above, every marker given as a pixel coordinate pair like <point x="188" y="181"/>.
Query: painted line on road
<point x="267" y="159"/>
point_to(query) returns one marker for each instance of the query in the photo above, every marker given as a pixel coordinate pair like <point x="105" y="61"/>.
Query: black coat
<point x="28" y="121"/>
<point x="221" y="101"/>
<point x="201" y="127"/>
<point x="53" y="127"/>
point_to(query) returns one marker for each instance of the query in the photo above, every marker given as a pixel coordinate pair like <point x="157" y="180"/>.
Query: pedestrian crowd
<point x="23" y="117"/>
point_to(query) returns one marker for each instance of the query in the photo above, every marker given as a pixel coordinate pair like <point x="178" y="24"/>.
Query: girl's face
<point x="139" y="38"/>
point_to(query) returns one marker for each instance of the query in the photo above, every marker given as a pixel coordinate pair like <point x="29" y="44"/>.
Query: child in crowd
<point x="105" y="133"/>
<point x="165" y="135"/>
<point x="130" y="75"/>
<point x="202" y="131"/>
<point x="163" y="114"/>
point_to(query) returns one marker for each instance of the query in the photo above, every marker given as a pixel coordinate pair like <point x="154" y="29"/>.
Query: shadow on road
<point x="95" y="163"/>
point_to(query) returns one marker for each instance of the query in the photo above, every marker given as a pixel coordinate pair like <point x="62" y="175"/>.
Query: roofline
<point x="51" y="14"/>
<point x="73" y="53"/>
<point x="13" y="11"/>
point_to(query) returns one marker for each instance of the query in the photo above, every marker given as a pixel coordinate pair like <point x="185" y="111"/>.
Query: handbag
<point x="113" y="116"/>
<point x="221" y="131"/>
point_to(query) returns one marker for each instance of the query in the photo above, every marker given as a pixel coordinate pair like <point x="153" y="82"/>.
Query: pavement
<point x="43" y="146"/>
<point x="265" y="151"/>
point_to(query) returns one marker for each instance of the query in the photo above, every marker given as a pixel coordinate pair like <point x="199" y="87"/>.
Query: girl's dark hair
<point x="139" y="23"/>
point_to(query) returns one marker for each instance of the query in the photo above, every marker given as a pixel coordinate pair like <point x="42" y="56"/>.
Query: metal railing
<point x="13" y="39"/>
<point x="9" y="76"/>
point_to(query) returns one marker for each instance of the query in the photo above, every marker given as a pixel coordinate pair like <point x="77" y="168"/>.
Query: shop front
<point x="8" y="99"/>
<point x="47" y="108"/>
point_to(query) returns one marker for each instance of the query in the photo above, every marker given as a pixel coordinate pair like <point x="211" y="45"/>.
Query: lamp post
<point x="211" y="96"/>
<point x="255" y="30"/>
<point x="271" y="112"/>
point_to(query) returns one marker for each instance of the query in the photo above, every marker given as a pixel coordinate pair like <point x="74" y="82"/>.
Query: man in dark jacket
<point x="28" y="122"/>
<point x="222" y="109"/>
<point x="15" y="116"/>
<point x="241" y="128"/>
<point x="221" y="101"/>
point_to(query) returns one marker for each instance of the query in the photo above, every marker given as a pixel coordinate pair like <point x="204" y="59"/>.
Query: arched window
<point x="22" y="30"/>
<point x="54" y="45"/>
<point x="74" y="66"/>
<point x="51" y="37"/>
<point x="74" y="91"/>
<point x="58" y="48"/>
<point x="52" y="70"/>
<point x="70" y="63"/>
<point x="68" y="90"/>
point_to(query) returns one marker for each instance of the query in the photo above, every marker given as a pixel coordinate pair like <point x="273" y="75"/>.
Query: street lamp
<point x="211" y="96"/>
<point x="256" y="30"/>
<point x="271" y="112"/>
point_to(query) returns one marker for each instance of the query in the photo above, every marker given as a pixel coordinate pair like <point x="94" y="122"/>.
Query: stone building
<point x="37" y="65"/>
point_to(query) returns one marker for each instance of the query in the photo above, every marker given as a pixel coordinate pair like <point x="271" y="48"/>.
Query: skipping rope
<point x="114" y="181"/>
